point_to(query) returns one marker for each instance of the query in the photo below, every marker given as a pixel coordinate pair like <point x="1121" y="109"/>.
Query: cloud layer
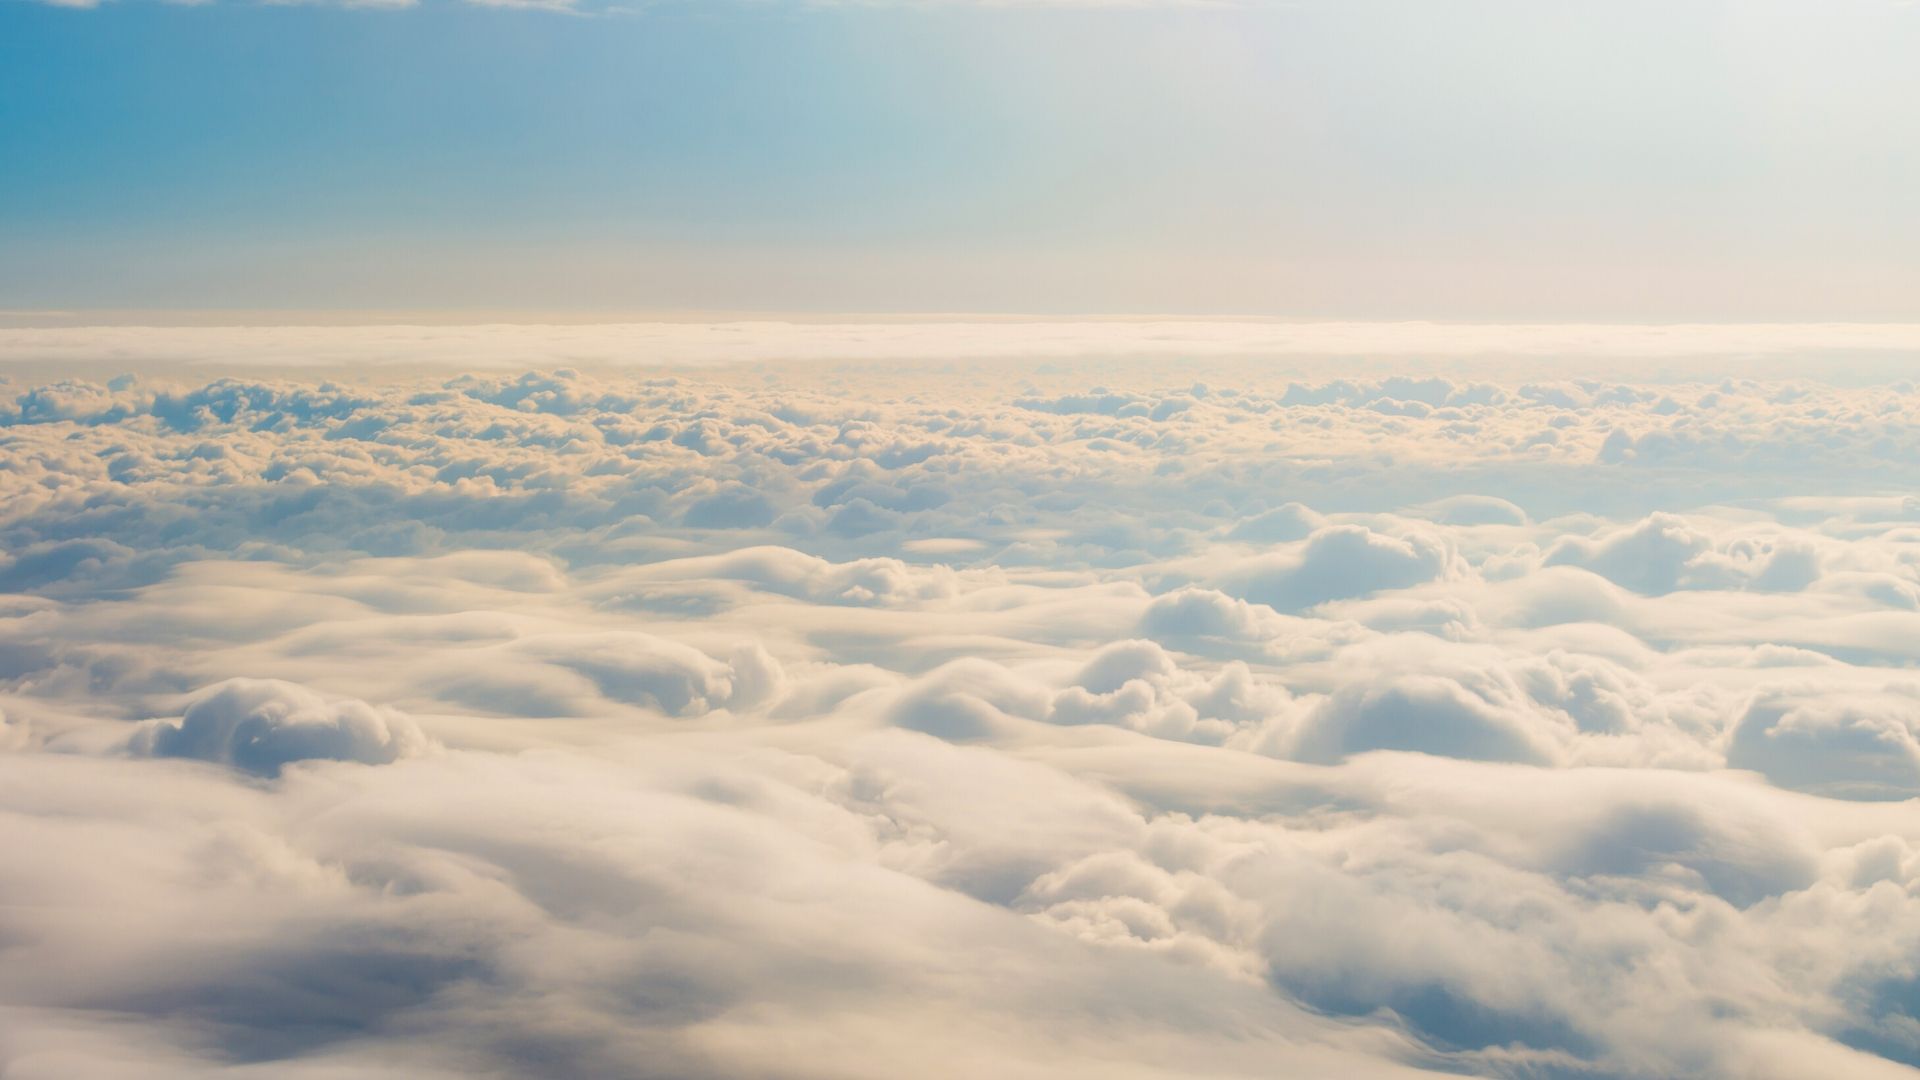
<point x="819" y="718"/>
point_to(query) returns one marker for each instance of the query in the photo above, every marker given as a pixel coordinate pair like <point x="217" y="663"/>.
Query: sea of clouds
<point x="993" y="718"/>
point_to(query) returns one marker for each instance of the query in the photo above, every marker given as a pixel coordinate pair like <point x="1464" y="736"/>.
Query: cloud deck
<point x="824" y="718"/>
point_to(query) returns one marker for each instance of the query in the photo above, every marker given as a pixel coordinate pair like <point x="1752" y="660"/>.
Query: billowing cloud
<point x="263" y="725"/>
<point x="1336" y="563"/>
<point x="1844" y="745"/>
<point x="866" y="719"/>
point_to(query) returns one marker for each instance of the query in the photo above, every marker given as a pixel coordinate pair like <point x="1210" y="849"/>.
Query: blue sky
<point x="1377" y="159"/>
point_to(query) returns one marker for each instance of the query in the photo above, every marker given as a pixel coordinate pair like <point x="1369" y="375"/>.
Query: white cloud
<point x="1337" y="563"/>
<point x="262" y="725"/>
<point x="1040" y="718"/>
<point x="1843" y="745"/>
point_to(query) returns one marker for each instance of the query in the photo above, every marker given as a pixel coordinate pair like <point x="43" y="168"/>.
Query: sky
<point x="837" y="541"/>
<point x="1371" y="160"/>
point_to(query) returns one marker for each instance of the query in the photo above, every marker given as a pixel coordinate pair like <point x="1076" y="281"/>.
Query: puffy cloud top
<point x="1339" y="562"/>
<point x="1838" y="744"/>
<point x="262" y="725"/>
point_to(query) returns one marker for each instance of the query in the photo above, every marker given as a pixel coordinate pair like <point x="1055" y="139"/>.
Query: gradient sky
<point x="1374" y="159"/>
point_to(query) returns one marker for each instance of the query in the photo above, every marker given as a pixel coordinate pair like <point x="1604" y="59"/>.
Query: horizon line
<point x="293" y="318"/>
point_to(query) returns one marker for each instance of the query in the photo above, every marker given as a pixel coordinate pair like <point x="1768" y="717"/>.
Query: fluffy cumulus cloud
<point x="844" y="717"/>
<point x="261" y="725"/>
